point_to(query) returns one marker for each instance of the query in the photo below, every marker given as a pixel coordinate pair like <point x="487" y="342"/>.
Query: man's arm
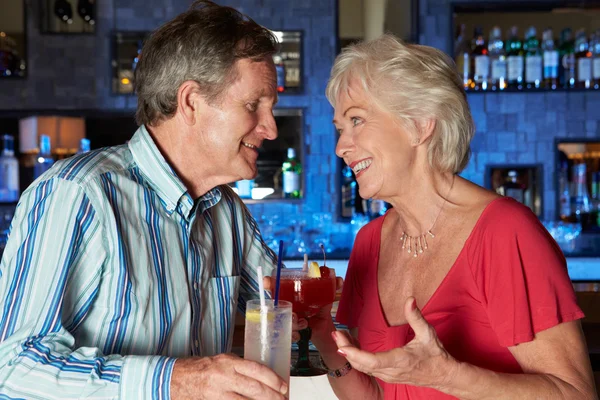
<point x="51" y="271"/>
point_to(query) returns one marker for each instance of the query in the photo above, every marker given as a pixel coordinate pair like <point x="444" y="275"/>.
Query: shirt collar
<point x="163" y="178"/>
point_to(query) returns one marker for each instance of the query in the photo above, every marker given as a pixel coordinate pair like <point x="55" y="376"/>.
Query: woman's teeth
<point x="361" y="165"/>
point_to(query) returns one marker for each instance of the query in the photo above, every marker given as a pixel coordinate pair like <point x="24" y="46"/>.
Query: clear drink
<point x="268" y="336"/>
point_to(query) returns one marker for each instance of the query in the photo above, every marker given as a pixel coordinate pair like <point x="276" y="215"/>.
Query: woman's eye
<point x="355" y="121"/>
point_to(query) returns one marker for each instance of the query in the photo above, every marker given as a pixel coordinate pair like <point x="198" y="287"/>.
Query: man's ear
<point x="189" y="101"/>
<point x="425" y="130"/>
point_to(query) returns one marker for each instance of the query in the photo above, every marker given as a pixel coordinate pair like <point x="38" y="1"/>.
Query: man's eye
<point x="338" y="130"/>
<point x="355" y="121"/>
<point x="252" y="106"/>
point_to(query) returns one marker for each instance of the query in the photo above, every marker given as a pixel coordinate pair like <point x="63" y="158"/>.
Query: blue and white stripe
<point x="112" y="272"/>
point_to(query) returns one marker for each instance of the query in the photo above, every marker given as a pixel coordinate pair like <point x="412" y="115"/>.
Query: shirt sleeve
<point x="522" y="276"/>
<point x="50" y="274"/>
<point x="352" y="301"/>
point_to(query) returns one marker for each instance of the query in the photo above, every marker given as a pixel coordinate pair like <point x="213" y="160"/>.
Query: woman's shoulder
<point x="505" y="214"/>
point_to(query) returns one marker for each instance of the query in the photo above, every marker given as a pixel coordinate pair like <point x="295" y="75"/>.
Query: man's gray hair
<point x="201" y="45"/>
<point x="414" y="83"/>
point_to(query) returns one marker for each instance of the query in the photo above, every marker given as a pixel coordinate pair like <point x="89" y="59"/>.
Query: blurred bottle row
<point x="15" y="173"/>
<point x="525" y="62"/>
<point x="579" y="190"/>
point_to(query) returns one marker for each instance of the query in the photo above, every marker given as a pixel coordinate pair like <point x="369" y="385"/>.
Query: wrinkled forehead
<point x="350" y="95"/>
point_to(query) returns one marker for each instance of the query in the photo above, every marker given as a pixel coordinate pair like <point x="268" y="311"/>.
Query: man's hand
<point x="224" y="377"/>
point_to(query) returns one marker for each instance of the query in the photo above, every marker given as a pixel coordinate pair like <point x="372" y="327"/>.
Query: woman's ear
<point x="425" y="130"/>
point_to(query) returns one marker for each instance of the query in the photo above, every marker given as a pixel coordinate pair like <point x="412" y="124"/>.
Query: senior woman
<point x="455" y="291"/>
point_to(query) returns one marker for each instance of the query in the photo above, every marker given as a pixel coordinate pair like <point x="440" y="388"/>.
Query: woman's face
<point x="373" y="143"/>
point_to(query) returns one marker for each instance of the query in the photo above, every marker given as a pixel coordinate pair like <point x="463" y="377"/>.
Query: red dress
<point x="508" y="282"/>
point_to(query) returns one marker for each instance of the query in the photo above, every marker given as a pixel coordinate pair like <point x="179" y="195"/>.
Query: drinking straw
<point x="305" y="263"/>
<point x="278" y="279"/>
<point x="261" y="288"/>
<point x="263" y="315"/>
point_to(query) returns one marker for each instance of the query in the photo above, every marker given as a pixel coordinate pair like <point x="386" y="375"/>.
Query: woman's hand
<point x="421" y="362"/>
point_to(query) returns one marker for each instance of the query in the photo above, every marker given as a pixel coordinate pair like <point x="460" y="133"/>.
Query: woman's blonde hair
<point x="415" y="83"/>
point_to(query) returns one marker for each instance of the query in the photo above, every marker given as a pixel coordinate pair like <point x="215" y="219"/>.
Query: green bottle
<point x="514" y="58"/>
<point x="291" y="170"/>
<point x="566" y="50"/>
<point x="533" y="60"/>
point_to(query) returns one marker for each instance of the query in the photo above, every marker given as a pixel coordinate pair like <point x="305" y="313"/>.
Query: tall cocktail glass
<point x="268" y="336"/>
<point x="307" y="295"/>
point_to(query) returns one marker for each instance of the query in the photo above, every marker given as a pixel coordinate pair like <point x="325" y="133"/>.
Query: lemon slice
<point x="313" y="270"/>
<point x="254" y="316"/>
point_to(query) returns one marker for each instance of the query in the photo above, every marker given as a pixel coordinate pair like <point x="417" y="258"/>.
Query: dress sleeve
<point x="521" y="274"/>
<point x="351" y="302"/>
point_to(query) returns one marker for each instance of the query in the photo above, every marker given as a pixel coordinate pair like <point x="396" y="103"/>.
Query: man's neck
<point x="170" y="138"/>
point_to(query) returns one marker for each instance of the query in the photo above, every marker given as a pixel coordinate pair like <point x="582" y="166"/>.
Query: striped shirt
<point x="112" y="271"/>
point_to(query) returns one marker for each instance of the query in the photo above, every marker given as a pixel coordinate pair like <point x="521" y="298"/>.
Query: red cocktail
<point x="307" y="295"/>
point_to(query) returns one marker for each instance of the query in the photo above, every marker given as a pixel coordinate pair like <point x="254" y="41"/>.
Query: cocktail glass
<point x="307" y="295"/>
<point x="268" y="335"/>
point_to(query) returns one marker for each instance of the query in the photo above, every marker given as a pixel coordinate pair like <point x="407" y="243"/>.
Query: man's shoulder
<point x="88" y="167"/>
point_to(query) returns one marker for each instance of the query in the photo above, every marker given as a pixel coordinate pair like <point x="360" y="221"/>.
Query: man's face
<point x="231" y="131"/>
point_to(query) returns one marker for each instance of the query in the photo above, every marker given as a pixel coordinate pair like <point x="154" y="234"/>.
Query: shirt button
<point x="196" y="285"/>
<point x="197" y="343"/>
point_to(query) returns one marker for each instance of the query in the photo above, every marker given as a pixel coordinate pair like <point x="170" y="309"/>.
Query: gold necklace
<point x="418" y="244"/>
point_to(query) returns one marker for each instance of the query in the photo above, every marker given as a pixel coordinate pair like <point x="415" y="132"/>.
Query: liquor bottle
<point x="514" y="56"/>
<point x="550" y="55"/>
<point x="462" y="54"/>
<point x="9" y="171"/>
<point x="596" y="198"/>
<point x="291" y="169"/>
<point x="581" y="203"/>
<point x="348" y="192"/>
<point x="480" y="61"/>
<point x="44" y="159"/>
<point x="84" y="146"/>
<point x="564" y="196"/>
<point x="280" y="70"/>
<point x="566" y="51"/>
<point x="533" y="60"/>
<point x="512" y="188"/>
<point x="595" y="48"/>
<point x="497" y="59"/>
<point x="583" y="58"/>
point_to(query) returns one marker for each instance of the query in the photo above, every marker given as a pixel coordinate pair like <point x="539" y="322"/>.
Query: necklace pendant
<point x="425" y="242"/>
<point x="409" y="238"/>
<point x="403" y="238"/>
<point x="430" y="234"/>
<point x="420" y="245"/>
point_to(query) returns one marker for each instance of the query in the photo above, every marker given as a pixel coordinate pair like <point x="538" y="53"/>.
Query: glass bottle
<point x="44" y="158"/>
<point x="497" y="59"/>
<point x="595" y="48"/>
<point x="583" y="59"/>
<point x="291" y="170"/>
<point x="514" y="57"/>
<point x="566" y="51"/>
<point x="480" y="60"/>
<point x="512" y="188"/>
<point x="348" y="192"/>
<point x="533" y="60"/>
<point x="9" y="171"/>
<point x="84" y="146"/>
<point x="550" y="55"/>
<point x="564" y="193"/>
<point x="462" y="54"/>
<point x="280" y="70"/>
<point x="581" y="203"/>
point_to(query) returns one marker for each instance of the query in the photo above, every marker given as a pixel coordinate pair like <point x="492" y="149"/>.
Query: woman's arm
<point x="555" y="363"/>
<point x="354" y="385"/>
